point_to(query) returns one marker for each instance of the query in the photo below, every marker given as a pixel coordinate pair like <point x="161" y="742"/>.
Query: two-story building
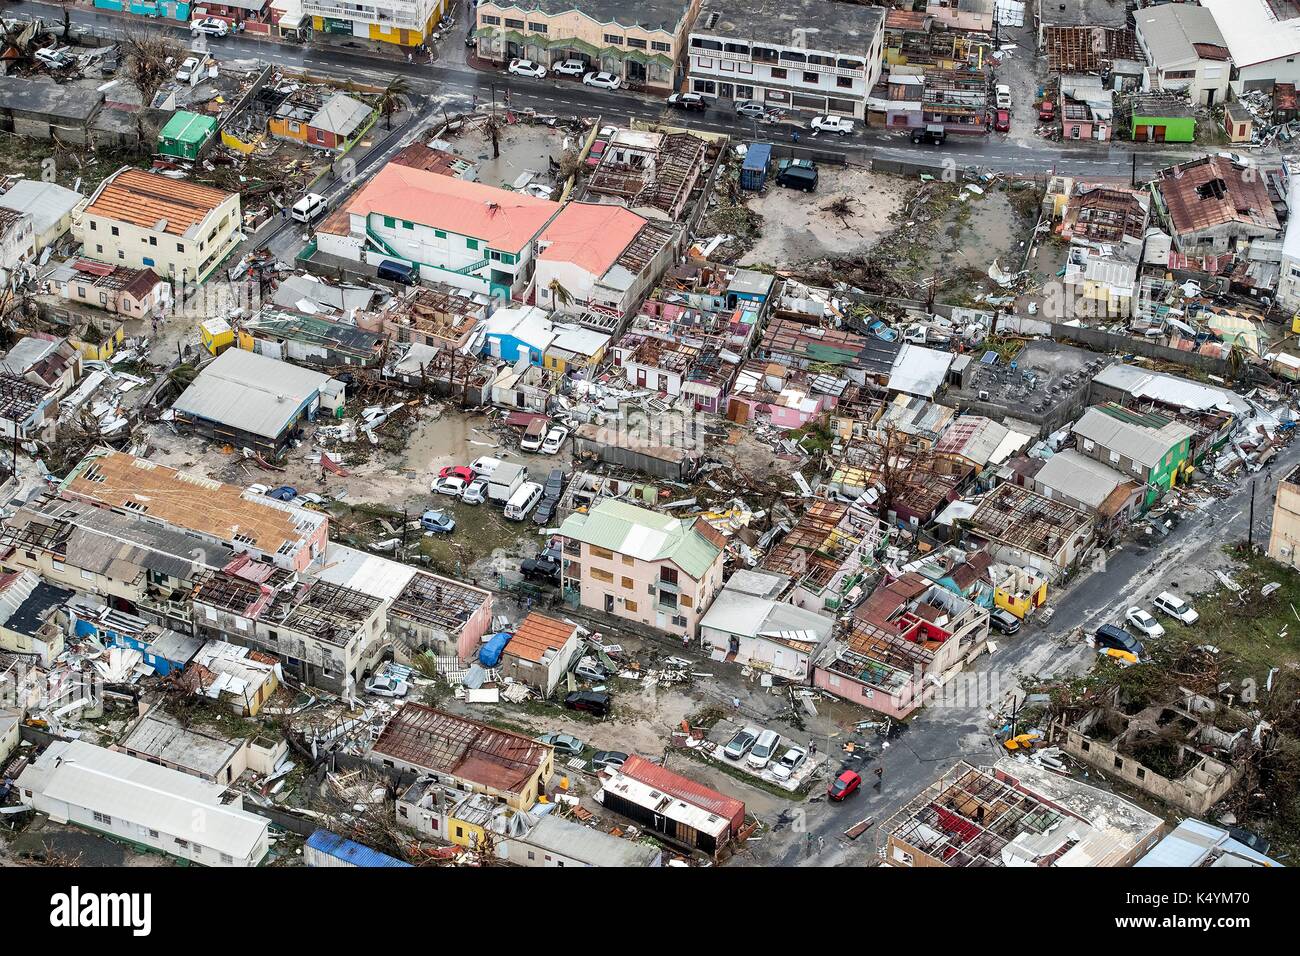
<point x="468" y="235"/>
<point x="1147" y="447"/>
<point x="1185" y="50"/>
<point x="641" y="44"/>
<point x="640" y="565"/>
<point x="179" y="229"/>
<point x="405" y="23"/>
<point x="807" y="55"/>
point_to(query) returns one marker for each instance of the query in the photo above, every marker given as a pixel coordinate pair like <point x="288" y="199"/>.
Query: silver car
<point x="790" y="762"/>
<point x="741" y="743"/>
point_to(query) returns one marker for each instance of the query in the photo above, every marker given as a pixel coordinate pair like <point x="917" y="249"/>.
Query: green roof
<point x="644" y="534"/>
<point x="185" y="127"/>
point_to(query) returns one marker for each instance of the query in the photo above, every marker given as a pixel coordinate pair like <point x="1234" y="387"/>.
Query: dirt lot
<point x="800" y="226"/>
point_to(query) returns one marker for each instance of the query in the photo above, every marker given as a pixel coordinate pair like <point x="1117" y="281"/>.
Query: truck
<point x="505" y="480"/>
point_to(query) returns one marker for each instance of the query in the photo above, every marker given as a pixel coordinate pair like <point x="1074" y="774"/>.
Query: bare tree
<point x="149" y="58"/>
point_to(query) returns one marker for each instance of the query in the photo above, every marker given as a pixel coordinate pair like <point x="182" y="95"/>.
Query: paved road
<point x="452" y="84"/>
<point x="947" y="732"/>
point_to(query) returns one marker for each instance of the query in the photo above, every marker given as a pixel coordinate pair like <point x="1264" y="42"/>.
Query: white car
<point x="764" y="749"/>
<point x="602" y="80"/>
<point x="475" y="492"/>
<point x="211" y="26"/>
<point x="189" y="69"/>
<point x="386" y="685"/>
<point x="750" y="108"/>
<point x="554" y="439"/>
<point x="1144" y="622"/>
<point x="484" y="465"/>
<point x="790" y="761"/>
<point x="569" y="68"/>
<point x="526" y="68"/>
<point x="453" y="485"/>
<point x="259" y="489"/>
<point x="1175" y="607"/>
<point x="1003" y="96"/>
<point x="831" y="124"/>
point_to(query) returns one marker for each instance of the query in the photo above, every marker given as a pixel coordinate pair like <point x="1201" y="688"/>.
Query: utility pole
<point x="1133" y="176"/>
<point x="1250" y="530"/>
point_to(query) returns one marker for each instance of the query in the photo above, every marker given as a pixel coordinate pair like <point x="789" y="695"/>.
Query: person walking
<point x="880" y="774"/>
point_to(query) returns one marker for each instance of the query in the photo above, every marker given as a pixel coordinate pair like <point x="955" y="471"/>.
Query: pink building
<point x="641" y="565"/>
<point x="131" y="293"/>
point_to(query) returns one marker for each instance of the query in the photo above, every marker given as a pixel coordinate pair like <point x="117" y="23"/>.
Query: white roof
<point x="367" y="573"/>
<point x="1170" y="30"/>
<point x="1079" y="477"/>
<point x="250" y="392"/>
<point x="1253" y="34"/>
<point x="918" y="370"/>
<point x="1171" y="389"/>
<point x="579" y="340"/>
<point x="126" y="788"/>
<point x="527" y="323"/>
<point x="679" y="811"/>
<point x="46" y="203"/>
<point x="735" y="612"/>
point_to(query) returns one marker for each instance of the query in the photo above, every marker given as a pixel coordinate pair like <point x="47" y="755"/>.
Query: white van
<point x="484" y="465"/>
<point x="1176" y="608"/>
<point x="309" y="207"/>
<point x="764" y="749"/>
<point x="523" y="501"/>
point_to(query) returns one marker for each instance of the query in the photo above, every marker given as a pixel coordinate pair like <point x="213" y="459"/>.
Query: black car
<point x="692" y="102"/>
<point x="798" y="177"/>
<point x="545" y="511"/>
<point x="1116" y="638"/>
<point x="936" y="135"/>
<point x="589" y="701"/>
<point x="554" y="484"/>
<point x="1004" y="621"/>
<point x="541" y="568"/>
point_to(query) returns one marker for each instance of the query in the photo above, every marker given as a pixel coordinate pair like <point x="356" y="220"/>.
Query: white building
<point x="1185" y="51"/>
<point x="134" y="800"/>
<point x="401" y="22"/>
<point x="17" y="240"/>
<point x="50" y="205"/>
<point x="1265" y="46"/>
<point x="807" y="55"/>
<point x="747" y="626"/>
<point x="1288" y="283"/>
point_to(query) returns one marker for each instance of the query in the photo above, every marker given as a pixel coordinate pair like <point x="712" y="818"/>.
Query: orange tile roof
<point x="538" y="634"/>
<point x="145" y="199"/>
<point x="590" y="235"/>
<point x="503" y="219"/>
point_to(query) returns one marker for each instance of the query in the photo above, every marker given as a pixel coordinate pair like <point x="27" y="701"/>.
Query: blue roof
<point x="351" y="853"/>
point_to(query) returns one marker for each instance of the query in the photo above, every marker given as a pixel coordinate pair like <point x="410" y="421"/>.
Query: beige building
<point x="641" y="43"/>
<point x="1284" y="540"/>
<point x="179" y="229"/>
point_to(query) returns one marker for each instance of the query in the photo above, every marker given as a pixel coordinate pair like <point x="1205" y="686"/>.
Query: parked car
<point x="1002" y="121"/>
<point x="475" y="492"/>
<point x="933" y="134"/>
<point x="1111" y="637"/>
<point x="608" y="758"/>
<point x="258" y="489"/>
<point x="589" y="701"/>
<point x="554" y="486"/>
<point x="283" y="493"/>
<point x="589" y="669"/>
<point x="564" y="743"/>
<point x="845" y="784"/>
<point x="798" y="177"/>
<point x="210" y="26"/>
<point x="602" y="80"/>
<point x="790" y="761"/>
<point x="1175" y="607"/>
<point x="534" y="435"/>
<point x="110" y="62"/>
<point x="484" y="465"/>
<point x="1144" y="623"/>
<point x="471" y="40"/>
<point x="1004" y="621"/>
<point x="526" y="68"/>
<point x="1046" y="111"/>
<point x="1003" y="93"/>
<point x="764" y="749"/>
<point x="453" y="485"/>
<point x="460" y="471"/>
<point x="189" y="69"/>
<point x="398" y="272"/>
<point x="751" y="109"/>
<point x="554" y="440"/>
<point x="741" y="743"/>
<point x="545" y="511"/>
<point x="691" y="102"/>
<point x="569" y="68"/>
<point x="540" y="568"/>
<point x="831" y="124"/>
<point x="387" y="685"/>
<point x="437" y="521"/>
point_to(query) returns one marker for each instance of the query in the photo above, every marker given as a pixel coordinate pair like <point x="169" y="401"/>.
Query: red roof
<point x="590" y="235"/>
<point x="686" y="790"/>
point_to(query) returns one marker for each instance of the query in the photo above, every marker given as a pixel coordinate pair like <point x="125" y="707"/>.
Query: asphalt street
<point x="450" y="83"/>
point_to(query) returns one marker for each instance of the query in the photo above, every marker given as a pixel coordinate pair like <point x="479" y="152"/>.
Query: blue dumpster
<point x="753" y="174"/>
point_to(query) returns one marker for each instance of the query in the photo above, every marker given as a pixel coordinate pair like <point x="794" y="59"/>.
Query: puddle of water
<point x="437" y="442"/>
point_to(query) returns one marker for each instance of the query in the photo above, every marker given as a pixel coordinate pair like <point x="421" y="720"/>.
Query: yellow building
<point x="401" y="22"/>
<point x="642" y="45"/>
<point x="98" y="343"/>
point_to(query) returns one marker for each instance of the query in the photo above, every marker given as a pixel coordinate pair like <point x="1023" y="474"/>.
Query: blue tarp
<point x="353" y="854"/>
<point x="489" y="654"/>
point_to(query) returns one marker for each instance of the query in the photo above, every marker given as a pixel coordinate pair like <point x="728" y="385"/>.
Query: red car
<point x="460" y="471"/>
<point x="1047" y="111"/>
<point x="1002" y="123"/>
<point x="846" y="783"/>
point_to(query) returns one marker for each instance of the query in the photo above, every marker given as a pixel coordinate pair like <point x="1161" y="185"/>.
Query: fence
<point x="1110" y="342"/>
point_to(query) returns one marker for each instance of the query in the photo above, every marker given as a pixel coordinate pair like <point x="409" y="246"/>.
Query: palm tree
<point x="559" y="294"/>
<point x="390" y="101"/>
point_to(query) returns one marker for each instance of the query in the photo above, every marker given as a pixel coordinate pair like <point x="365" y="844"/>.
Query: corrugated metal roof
<point x="354" y="854"/>
<point x="685" y="789"/>
<point x="1144" y="445"/>
<point x="643" y="534"/>
<point x="256" y="394"/>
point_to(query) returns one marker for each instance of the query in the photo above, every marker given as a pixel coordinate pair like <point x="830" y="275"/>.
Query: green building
<point x="1143" y="446"/>
<point x="185" y="135"/>
<point x="1161" y="118"/>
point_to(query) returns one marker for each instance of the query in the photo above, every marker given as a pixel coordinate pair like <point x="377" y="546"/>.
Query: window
<point x="844" y="81"/>
<point x="635" y="43"/>
<point x="460" y="831"/>
<point x="627" y="559"/>
<point x="630" y="606"/>
<point x="537" y="27"/>
<point x="94" y="226"/>
<point x="440" y="234"/>
<point x="601" y="575"/>
<point x="811" y="77"/>
<point x="514" y="24"/>
<point x="407" y="225"/>
<point x="596" y="552"/>
<point x="668" y="575"/>
<point x="687" y="601"/>
<point x="103" y="818"/>
<point x="532" y="855"/>
<point x="113" y="229"/>
<point x="390" y="222"/>
<point x="227" y="859"/>
<point x="180" y="247"/>
<point x="613" y="40"/>
<point x="660" y="47"/>
<point x="627" y="582"/>
<point x="490" y="20"/>
<point x="471" y="244"/>
<point x="779" y="73"/>
<point x="121" y="254"/>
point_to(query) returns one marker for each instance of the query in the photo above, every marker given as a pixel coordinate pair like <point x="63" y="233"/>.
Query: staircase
<point x="471" y="268"/>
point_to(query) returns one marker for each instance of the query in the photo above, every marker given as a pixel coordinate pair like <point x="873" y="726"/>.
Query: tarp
<point x="489" y="654"/>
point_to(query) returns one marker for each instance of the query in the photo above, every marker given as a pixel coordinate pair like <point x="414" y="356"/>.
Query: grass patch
<point x="1259" y="632"/>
